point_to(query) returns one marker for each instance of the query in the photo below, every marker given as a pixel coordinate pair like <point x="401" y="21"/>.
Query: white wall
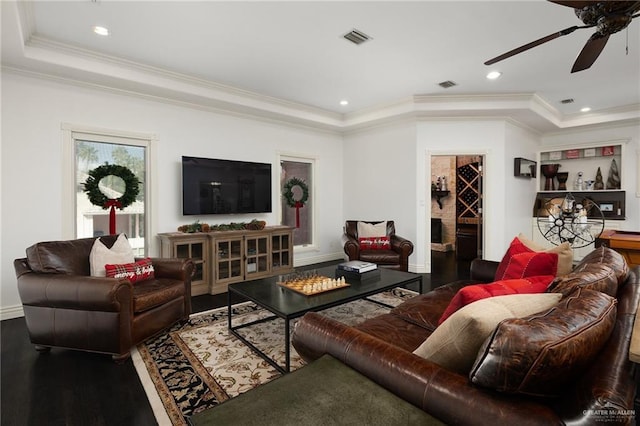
<point x="387" y="175"/>
<point x="379" y="173"/>
<point x="379" y="178"/>
<point x="31" y="169"/>
<point x="520" y="192"/>
<point x="460" y="137"/>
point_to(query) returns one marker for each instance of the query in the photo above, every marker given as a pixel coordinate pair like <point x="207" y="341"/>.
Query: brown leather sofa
<point x="395" y="258"/>
<point x="600" y="390"/>
<point x="66" y="307"/>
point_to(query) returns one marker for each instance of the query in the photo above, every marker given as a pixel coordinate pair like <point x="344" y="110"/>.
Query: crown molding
<point x="527" y="110"/>
<point x="214" y="107"/>
<point x="578" y="130"/>
<point x="150" y="80"/>
<point x="45" y="58"/>
<point x="617" y="115"/>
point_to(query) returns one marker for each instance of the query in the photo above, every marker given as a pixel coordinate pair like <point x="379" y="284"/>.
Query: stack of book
<point x="357" y="270"/>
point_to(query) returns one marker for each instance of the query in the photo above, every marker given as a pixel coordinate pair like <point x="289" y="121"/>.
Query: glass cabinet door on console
<point x="281" y="251"/>
<point x="189" y="246"/>
<point x="228" y="254"/>
<point x="256" y="255"/>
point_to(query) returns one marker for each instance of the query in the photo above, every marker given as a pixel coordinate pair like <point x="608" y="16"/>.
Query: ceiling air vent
<point x="566" y="101"/>
<point x="447" y="84"/>
<point x="356" y="37"/>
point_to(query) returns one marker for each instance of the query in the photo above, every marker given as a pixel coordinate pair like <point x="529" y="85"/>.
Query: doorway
<point x="456" y="207"/>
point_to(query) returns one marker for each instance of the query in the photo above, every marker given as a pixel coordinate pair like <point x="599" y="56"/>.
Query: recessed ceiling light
<point x="585" y="109"/>
<point x="103" y="31"/>
<point x="344" y="102"/>
<point x="493" y="75"/>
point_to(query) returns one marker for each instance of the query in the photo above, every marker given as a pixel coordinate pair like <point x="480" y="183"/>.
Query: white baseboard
<point x="418" y="269"/>
<point x="310" y="260"/>
<point x="10" y="312"/>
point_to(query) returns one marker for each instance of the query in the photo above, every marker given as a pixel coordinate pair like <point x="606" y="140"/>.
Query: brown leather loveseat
<point x="578" y="374"/>
<point x="396" y="257"/>
<point x="66" y="307"/>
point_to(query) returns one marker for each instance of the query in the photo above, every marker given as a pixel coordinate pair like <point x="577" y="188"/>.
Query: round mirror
<point x="112" y="186"/>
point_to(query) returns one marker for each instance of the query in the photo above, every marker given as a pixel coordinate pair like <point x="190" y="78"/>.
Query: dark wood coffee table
<point x="288" y="304"/>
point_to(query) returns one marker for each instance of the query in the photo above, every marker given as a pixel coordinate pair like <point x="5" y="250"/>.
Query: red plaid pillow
<point x="520" y="262"/>
<point x="374" y="243"/>
<point x="134" y="272"/>
<point x="473" y="293"/>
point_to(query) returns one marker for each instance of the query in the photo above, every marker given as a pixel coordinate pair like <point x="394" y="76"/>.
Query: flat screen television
<point x="213" y="186"/>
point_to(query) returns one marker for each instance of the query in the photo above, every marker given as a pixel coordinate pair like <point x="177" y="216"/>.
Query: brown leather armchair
<point x="395" y="258"/>
<point x="66" y="307"/>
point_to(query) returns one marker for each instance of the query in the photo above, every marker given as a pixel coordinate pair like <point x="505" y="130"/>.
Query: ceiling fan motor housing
<point x="612" y="24"/>
<point x="610" y="16"/>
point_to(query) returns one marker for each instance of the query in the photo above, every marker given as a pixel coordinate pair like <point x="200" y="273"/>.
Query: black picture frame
<point x="524" y="168"/>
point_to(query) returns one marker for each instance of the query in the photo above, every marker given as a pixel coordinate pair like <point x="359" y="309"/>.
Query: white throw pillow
<point x="454" y="345"/>
<point x="100" y="255"/>
<point x="368" y="230"/>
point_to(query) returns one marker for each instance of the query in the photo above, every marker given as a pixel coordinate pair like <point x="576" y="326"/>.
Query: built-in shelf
<point x="589" y="163"/>
<point x="610" y="202"/>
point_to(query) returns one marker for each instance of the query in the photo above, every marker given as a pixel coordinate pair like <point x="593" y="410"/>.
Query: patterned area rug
<point x="196" y="366"/>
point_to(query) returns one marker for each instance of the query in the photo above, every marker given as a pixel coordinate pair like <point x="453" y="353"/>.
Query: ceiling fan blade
<point x="590" y="52"/>
<point x="533" y="44"/>
<point x="631" y="9"/>
<point x="573" y="4"/>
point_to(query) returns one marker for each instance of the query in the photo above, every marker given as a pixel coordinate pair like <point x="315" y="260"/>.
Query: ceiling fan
<point x="608" y="17"/>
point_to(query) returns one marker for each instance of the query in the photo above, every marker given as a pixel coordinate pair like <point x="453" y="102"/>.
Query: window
<point x="90" y="150"/>
<point x="296" y="186"/>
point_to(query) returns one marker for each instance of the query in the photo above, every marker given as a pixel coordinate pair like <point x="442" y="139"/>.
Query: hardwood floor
<point x="70" y="388"/>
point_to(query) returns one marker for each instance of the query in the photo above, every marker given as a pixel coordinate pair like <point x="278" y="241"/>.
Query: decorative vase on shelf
<point x="578" y="185"/>
<point x="562" y="180"/>
<point x="588" y="184"/>
<point x="613" y="182"/>
<point x="549" y="171"/>
<point x="599" y="184"/>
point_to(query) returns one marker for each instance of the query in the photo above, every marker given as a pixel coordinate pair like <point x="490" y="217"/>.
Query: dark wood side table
<point x="627" y="243"/>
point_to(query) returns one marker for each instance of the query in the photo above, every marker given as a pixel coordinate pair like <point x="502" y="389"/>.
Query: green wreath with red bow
<point x="289" y="196"/>
<point x="98" y="198"/>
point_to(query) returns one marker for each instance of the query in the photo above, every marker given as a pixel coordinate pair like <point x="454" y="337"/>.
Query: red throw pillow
<point x="134" y="272"/>
<point x="520" y="262"/>
<point x="472" y="293"/>
<point x="374" y="243"/>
